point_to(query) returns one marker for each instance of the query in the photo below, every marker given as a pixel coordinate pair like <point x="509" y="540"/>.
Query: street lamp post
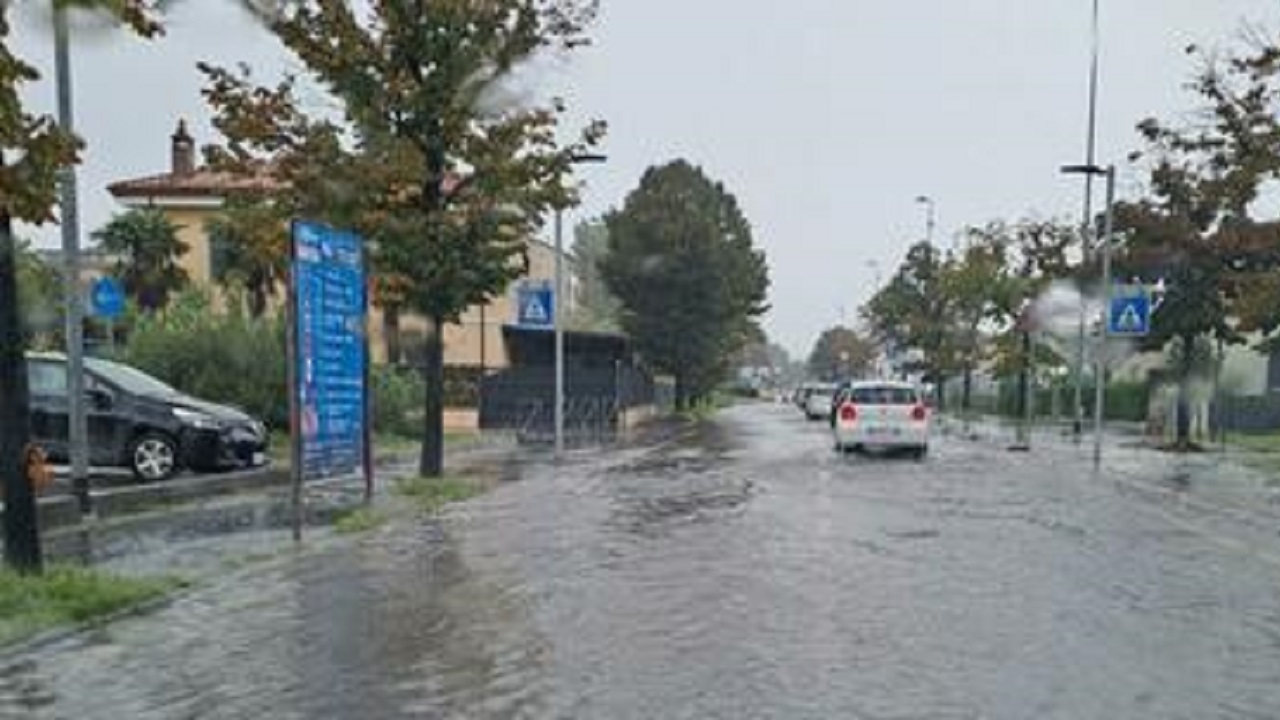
<point x="558" y="306"/>
<point x="1104" y="245"/>
<point x="1091" y="141"/>
<point x="77" y="429"/>
<point x="931" y="216"/>
<point x="874" y="267"/>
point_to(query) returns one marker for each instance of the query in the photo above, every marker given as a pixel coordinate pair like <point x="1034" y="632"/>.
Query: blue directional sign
<point x="1129" y="314"/>
<point x="535" y="305"/>
<point x="106" y="298"/>
<point x="330" y="356"/>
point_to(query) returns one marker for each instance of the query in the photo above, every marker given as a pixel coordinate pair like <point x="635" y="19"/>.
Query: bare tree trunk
<point x="431" y="463"/>
<point x="21" y="530"/>
<point x="391" y="333"/>
<point x="1183" y="419"/>
<point x="257" y="301"/>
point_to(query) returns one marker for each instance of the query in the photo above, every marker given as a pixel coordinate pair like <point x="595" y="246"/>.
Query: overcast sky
<point x="826" y="117"/>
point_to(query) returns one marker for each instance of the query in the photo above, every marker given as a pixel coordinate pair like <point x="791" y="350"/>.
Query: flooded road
<point x="739" y="570"/>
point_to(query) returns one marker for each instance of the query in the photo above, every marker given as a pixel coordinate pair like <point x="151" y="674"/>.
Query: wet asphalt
<point x="737" y="569"/>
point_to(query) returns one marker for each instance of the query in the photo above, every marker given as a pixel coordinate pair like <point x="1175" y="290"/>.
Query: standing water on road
<point x="741" y="569"/>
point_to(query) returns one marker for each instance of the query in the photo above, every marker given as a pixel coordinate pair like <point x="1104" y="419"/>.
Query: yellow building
<point x="191" y="195"/>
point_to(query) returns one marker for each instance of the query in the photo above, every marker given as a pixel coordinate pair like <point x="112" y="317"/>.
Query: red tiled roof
<point x="201" y="183"/>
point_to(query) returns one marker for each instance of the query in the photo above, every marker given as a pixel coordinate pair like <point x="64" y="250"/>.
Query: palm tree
<point x="147" y="248"/>
<point x="249" y="241"/>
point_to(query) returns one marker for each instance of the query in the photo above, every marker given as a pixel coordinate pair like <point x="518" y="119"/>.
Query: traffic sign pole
<point x="558" y="315"/>
<point x="1100" y="373"/>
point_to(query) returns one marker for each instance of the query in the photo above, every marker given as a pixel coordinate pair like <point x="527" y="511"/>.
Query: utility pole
<point x="558" y="312"/>
<point x="72" y="295"/>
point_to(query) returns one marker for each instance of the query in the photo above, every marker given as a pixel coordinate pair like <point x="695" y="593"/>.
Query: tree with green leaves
<point x="146" y="247"/>
<point x="914" y="311"/>
<point x="39" y="294"/>
<point x="840" y="353"/>
<point x="682" y="262"/>
<point x="1196" y="224"/>
<point x="444" y="177"/>
<point x="1035" y="254"/>
<point x="249" y="244"/>
<point x="33" y="152"/>
<point x="597" y="309"/>
<point x="975" y="284"/>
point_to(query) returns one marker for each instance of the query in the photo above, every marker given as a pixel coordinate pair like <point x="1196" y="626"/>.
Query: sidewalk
<point x="150" y="528"/>
<point x="1231" y="493"/>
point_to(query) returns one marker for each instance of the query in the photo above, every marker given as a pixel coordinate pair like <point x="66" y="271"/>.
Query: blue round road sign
<point x="107" y="298"/>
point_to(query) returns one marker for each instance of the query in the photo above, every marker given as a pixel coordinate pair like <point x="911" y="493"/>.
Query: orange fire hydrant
<point x="39" y="471"/>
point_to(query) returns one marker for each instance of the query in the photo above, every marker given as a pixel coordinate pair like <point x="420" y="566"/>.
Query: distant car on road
<point x="818" y="399"/>
<point x="139" y="423"/>
<point x="881" y="415"/>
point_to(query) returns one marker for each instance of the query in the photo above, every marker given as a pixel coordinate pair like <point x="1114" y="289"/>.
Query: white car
<point x="882" y="415"/>
<point x="818" y="401"/>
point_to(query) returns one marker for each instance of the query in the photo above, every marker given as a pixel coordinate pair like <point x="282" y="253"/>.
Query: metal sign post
<point x="328" y="363"/>
<point x="1129" y="319"/>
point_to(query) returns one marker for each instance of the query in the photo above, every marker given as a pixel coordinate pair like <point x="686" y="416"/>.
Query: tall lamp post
<point x="1104" y="246"/>
<point x="77" y="428"/>
<point x="1091" y="142"/>
<point x="931" y="216"/>
<point x="558" y="306"/>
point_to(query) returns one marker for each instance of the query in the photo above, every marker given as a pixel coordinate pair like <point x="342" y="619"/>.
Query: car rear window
<point x="884" y="396"/>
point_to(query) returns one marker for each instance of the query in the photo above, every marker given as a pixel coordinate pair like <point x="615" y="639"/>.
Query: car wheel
<point x="920" y="453"/>
<point x="153" y="457"/>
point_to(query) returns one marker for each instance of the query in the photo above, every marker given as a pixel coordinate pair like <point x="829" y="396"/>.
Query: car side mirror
<point x="100" y="399"/>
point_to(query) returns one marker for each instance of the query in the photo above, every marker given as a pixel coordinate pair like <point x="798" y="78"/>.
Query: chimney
<point x="184" y="151"/>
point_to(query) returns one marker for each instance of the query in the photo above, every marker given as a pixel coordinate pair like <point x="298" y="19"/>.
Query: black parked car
<point x="137" y="422"/>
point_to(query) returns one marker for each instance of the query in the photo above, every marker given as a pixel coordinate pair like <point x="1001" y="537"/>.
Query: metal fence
<point x="523" y="400"/>
<point x="1246" y="413"/>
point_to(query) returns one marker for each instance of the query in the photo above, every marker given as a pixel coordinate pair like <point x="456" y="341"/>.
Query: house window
<point x="219" y="256"/>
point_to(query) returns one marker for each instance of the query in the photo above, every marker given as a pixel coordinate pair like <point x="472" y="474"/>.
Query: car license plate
<point x="259" y="458"/>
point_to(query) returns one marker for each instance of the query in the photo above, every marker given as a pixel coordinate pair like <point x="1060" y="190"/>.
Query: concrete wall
<point x="461" y="419"/>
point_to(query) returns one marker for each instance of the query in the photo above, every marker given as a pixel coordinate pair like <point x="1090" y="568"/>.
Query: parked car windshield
<point x="130" y="380"/>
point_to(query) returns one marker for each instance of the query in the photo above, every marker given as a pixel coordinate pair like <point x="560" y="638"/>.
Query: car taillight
<point x="919" y="413"/>
<point x="848" y="413"/>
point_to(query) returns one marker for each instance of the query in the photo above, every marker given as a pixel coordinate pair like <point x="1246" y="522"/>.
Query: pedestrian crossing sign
<point x="535" y="305"/>
<point x="1129" y="314"/>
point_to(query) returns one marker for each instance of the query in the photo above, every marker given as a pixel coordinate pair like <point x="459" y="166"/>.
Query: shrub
<point x="222" y="357"/>
<point x="397" y="401"/>
<point x="232" y="358"/>
<point x="1127" y="401"/>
